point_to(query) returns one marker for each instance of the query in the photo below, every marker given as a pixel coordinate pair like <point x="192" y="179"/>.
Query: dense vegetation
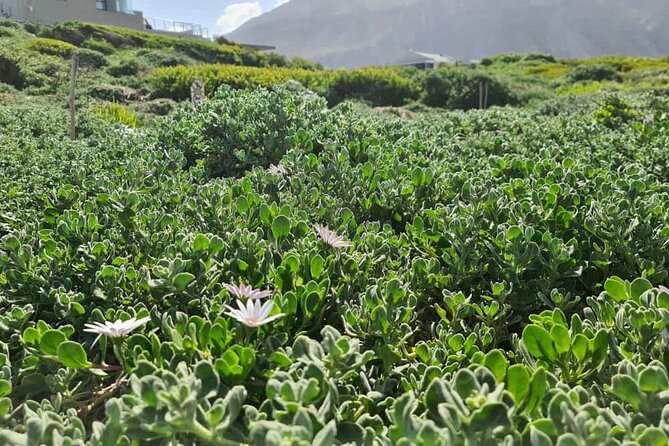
<point x="458" y="278"/>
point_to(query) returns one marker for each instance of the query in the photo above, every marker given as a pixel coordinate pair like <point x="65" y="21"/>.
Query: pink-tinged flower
<point x="253" y="314"/>
<point x="663" y="289"/>
<point x="117" y="329"/>
<point x="277" y="170"/>
<point x="331" y="238"/>
<point x="246" y="292"/>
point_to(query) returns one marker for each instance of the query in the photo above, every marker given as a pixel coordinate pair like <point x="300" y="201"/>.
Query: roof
<point x="437" y="58"/>
<point x="417" y="57"/>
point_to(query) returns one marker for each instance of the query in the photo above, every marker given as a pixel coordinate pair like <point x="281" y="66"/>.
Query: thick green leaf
<point x="182" y="280"/>
<point x="518" y="382"/>
<point x="280" y="227"/>
<point x="617" y="289"/>
<point x="72" y="355"/>
<point x="627" y="390"/>
<point x="497" y="363"/>
<point x="201" y="243"/>
<point x="653" y="379"/>
<point x="50" y="341"/>
<point x="539" y="342"/>
<point x="561" y="338"/>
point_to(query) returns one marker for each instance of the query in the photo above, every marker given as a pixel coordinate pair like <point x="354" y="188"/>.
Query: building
<point x="49" y="12"/>
<point x="424" y="61"/>
<point x="104" y="12"/>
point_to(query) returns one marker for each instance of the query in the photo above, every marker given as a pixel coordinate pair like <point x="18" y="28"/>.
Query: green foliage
<point x="175" y="82"/>
<point x="460" y="88"/>
<point x="504" y="284"/>
<point x="116" y="113"/>
<point x="51" y="46"/>
<point x="598" y="73"/>
<point x="377" y="86"/>
<point x="614" y="111"/>
<point x="100" y="46"/>
<point x="89" y="58"/>
<point x="259" y="129"/>
<point x="130" y="67"/>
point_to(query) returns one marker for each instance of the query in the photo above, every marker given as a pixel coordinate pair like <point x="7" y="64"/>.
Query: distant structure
<point x="104" y="12"/>
<point x="424" y="61"/>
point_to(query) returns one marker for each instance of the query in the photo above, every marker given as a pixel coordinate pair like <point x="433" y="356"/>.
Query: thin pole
<point x="485" y="101"/>
<point x="73" y="95"/>
<point x="480" y="95"/>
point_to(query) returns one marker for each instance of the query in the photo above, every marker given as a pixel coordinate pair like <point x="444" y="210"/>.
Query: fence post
<point x="73" y="96"/>
<point x="480" y="95"/>
<point x="485" y="100"/>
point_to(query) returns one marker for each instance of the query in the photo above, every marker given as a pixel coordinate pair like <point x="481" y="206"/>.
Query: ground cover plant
<point x="329" y="276"/>
<point x="270" y="268"/>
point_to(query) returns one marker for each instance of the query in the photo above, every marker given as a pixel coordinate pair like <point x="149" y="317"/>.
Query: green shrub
<point x="91" y="58"/>
<point x="130" y="67"/>
<point x="614" y="111"/>
<point x="100" y="46"/>
<point x="11" y="73"/>
<point x="513" y="58"/>
<point x="52" y="47"/>
<point x="595" y="73"/>
<point x="175" y="82"/>
<point x="11" y="24"/>
<point x="459" y="88"/>
<point x="116" y="114"/>
<point x="377" y="86"/>
<point x="111" y="93"/>
<point x="71" y="32"/>
<point x="160" y="107"/>
<point x="38" y="29"/>
<point x="235" y="130"/>
<point x="164" y="58"/>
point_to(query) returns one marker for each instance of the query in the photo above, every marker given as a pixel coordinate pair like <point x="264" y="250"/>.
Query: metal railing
<point x="173" y="26"/>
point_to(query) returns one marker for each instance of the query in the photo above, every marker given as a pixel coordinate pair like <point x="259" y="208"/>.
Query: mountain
<point x="379" y="32"/>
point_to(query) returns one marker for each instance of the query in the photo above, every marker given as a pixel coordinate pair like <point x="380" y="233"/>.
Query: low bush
<point x="129" y="67"/>
<point x="38" y="29"/>
<point x="160" y="107"/>
<point x="116" y="114"/>
<point x="52" y="47"/>
<point x="11" y="73"/>
<point x="235" y="131"/>
<point x="111" y="93"/>
<point x="175" y="82"/>
<point x="614" y="111"/>
<point x="164" y="57"/>
<point x="90" y="58"/>
<point x="377" y="86"/>
<point x="595" y="73"/>
<point x="101" y="46"/>
<point x="460" y="88"/>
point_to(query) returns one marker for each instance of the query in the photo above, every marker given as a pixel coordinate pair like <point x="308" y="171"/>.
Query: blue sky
<point x="220" y="16"/>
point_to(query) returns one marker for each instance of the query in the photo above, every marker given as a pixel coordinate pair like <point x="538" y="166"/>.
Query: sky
<point x="220" y="16"/>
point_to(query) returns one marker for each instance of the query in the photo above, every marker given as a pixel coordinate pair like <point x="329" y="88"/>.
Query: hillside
<point x="379" y="32"/>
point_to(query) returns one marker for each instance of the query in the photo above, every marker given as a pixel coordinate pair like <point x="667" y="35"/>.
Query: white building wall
<point x="54" y="11"/>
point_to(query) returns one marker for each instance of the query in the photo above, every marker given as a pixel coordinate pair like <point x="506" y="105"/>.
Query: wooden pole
<point x="480" y="95"/>
<point x="73" y="96"/>
<point x="485" y="100"/>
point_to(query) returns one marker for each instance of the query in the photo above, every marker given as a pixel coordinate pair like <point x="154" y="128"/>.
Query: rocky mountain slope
<point x="379" y="32"/>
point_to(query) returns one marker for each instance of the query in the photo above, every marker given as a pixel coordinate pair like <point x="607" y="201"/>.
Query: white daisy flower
<point x="277" y="170"/>
<point x="118" y="329"/>
<point x="331" y="238"/>
<point x="253" y="314"/>
<point x="246" y="291"/>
